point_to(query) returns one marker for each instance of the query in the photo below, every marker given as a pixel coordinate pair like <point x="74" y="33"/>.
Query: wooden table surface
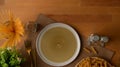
<point x="87" y="16"/>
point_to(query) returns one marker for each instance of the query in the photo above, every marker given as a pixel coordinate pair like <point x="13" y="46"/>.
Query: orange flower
<point x="11" y="31"/>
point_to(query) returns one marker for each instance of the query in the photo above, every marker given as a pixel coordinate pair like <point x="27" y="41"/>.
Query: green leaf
<point x="5" y="65"/>
<point x="10" y="58"/>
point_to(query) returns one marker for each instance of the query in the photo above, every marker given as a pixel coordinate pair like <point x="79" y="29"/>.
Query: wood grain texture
<point x="107" y="28"/>
<point x="87" y="16"/>
<point x="2" y="2"/>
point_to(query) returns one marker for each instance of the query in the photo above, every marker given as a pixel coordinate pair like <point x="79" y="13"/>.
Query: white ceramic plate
<point x="51" y="26"/>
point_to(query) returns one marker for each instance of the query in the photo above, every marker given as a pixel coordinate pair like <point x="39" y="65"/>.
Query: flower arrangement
<point x="11" y="31"/>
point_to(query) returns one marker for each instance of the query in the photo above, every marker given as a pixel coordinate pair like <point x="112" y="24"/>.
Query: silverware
<point x="31" y="29"/>
<point x="28" y="48"/>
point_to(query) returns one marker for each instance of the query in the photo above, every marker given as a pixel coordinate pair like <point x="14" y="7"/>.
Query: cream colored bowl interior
<point x="58" y="44"/>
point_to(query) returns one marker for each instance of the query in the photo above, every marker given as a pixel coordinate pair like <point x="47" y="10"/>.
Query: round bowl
<point x="58" y="44"/>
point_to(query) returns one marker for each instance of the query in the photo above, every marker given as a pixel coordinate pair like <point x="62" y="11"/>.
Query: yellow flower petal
<point x="11" y="30"/>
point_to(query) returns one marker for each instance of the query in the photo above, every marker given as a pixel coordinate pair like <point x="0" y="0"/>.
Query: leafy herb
<point x="10" y="58"/>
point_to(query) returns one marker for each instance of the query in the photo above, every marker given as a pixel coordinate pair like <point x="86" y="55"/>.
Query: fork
<point x="31" y="28"/>
<point x="28" y="48"/>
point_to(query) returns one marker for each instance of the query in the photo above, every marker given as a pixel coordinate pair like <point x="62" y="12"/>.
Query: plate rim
<point x="66" y="26"/>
